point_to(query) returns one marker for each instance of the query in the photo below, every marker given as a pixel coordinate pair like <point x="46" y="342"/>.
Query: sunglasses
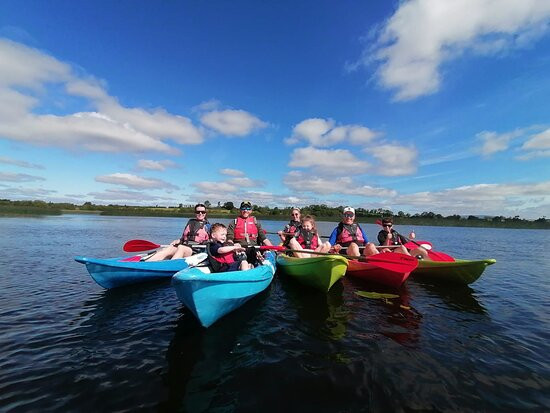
<point x="200" y="212"/>
<point x="246" y="209"/>
<point x="296" y="214"/>
<point x="387" y="225"/>
<point x="349" y="215"/>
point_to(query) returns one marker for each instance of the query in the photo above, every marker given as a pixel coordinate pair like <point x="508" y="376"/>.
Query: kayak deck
<point x="374" y="273"/>
<point x="455" y="272"/>
<point x="319" y="272"/>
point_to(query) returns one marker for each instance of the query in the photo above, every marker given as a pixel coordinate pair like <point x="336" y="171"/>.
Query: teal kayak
<point x="118" y="272"/>
<point x="451" y="272"/>
<point x="210" y="296"/>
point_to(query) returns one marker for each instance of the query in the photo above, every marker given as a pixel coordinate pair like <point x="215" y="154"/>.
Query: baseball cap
<point x="349" y="209"/>
<point x="246" y="204"/>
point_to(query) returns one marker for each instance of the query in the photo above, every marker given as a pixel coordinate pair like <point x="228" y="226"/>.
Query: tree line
<point x="226" y="209"/>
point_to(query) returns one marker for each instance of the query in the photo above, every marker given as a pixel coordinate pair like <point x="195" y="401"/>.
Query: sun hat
<point x="349" y="209"/>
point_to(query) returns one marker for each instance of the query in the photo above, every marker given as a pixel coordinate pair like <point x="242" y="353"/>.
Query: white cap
<point x="349" y="209"/>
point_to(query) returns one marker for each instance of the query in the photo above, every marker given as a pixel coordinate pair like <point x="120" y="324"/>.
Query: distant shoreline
<point x="414" y="221"/>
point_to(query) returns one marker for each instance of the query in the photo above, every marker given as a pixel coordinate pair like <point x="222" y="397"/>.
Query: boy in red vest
<point x="223" y="258"/>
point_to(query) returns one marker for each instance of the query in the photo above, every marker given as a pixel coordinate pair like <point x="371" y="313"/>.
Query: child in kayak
<point x="306" y="237"/>
<point x="390" y="237"/>
<point x="225" y="258"/>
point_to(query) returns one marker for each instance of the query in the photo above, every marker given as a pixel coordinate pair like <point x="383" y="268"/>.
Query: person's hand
<point x="337" y="248"/>
<point x="280" y="233"/>
<point x="390" y="235"/>
<point x="412" y="234"/>
<point x="175" y="243"/>
<point x="237" y="246"/>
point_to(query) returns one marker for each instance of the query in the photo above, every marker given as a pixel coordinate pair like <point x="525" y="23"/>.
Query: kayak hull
<point x="119" y="272"/>
<point x="373" y="273"/>
<point x="455" y="272"/>
<point x="210" y="296"/>
<point x="320" y="272"/>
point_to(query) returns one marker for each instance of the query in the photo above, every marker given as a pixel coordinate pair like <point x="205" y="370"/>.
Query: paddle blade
<point x="411" y="245"/>
<point x="273" y="248"/>
<point x="440" y="256"/>
<point x="393" y="261"/>
<point x="137" y="245"/>
<point x="135" y="258"/>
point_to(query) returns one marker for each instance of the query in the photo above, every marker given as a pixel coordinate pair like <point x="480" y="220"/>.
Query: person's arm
<point x="364" y="235"/>
<point x="185" y="232"/>
<point x="230" y="233"/>
<point x="262" y="239"/>
<point x="332" y="238"/>
<point x="382" y="236"/>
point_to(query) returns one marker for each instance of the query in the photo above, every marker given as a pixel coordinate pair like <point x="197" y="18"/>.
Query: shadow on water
<point x="199" y="359"/>
<point x="457" y="297"/>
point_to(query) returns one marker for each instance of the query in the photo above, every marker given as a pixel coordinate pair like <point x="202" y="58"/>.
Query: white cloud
<point x="25" y="76"/>
<point x="538" y="141"/>
<point x="302" y="182"/>
<point x="339" y="161"/>
<point x="22" y="164"/>
<point x="394" y="159"/>
<point x="491" y="199"/>
<point x="218" y="188"/>
<point x="423" y="34"/>
<point x="232" y="122"/>
<point x="134" y="197"/>
<point x="231" y="172"/>
<point x="493" y="142"/>
<point x="244" y="182"/>
<point x="323" y="132"/>
<point x="15" y="177"/>
<point x="155" y="165"/>
<point x="134" y="181"/>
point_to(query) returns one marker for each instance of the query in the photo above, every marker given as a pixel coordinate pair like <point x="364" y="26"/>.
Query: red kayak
<point x="392" y="277"/>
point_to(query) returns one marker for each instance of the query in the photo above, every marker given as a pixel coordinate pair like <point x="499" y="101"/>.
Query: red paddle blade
<point x="273" y="248"/>
<point x="136" y="245"/>
<point x="411" y="245"/>
<point x="440" y="256"/>
<point x="393" y="261"/>
<point x="135" y="258"/>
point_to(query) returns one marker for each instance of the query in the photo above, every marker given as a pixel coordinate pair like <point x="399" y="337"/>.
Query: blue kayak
<point x="210" y="296"/>
<point x="117" y="272"/>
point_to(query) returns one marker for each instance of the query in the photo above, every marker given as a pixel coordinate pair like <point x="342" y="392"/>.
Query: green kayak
<point x="318" y="272"/>
<point x="453" y="272"/>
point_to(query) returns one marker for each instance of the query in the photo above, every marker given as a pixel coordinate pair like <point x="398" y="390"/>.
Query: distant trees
<point x="228" y="205"/>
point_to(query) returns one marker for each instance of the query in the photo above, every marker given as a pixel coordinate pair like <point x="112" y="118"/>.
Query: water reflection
<point x="456" y="297"/>
<point x="324" y="314"/>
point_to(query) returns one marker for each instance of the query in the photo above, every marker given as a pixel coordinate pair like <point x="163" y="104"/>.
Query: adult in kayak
<point x="350" y="236"/>
<point x="195" y="232"/>
<point x="390" y="237"/>
<point x="247" y="231"/>
<point x="306" y="237"/>
<point x="294" y="224"/>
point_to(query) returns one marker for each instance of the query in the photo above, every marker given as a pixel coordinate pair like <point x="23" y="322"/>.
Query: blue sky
<point x="427" y="105"/>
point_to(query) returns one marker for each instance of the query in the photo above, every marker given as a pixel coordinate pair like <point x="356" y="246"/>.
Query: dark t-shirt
<point x="397" y="238"/>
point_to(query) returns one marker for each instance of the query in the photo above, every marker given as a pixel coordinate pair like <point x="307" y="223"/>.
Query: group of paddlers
<point x="233" y="247"/>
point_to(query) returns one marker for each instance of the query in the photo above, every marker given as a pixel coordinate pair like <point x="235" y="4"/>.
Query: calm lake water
<point x="66" y="344"/>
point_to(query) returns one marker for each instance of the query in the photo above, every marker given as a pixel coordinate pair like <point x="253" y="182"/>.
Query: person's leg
<point x="163" y="254"/>
<point x="420" y="253"/>
<point x="182" y="251"/>
<point x="324" y="247"/>
<point x="370" y="249"/>
<point x="295" y="245"/>
<point x="353" y="250"/>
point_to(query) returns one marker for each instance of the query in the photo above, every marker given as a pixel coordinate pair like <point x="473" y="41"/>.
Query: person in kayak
<point x="306" y="237"/>
<point x="294" y="224"/>
<point x="388" y="236"/>
<point x="225" y="258"/>
<point x="247" y="231"/>
<point x="196" y="232"/>
<point x="350" y="236"/>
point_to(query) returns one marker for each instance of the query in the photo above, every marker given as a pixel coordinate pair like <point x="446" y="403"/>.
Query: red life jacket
<point x="245" y="230"/>
<point x="292" y="226"/>
<point x="196" y="231"/>
<point x="307" y="239"/>
<point x="349" y="233"/>
<point x="227" y="258"/>
<point x="220" y="262"/>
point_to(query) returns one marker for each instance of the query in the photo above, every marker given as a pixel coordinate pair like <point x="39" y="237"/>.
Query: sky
<point x="421" y="105"/>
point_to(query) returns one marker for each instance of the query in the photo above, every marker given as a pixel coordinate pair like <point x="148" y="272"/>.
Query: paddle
<point x="434" y="255"/>
<point x="389" y="261"/>
<point x="137" y="245"/>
